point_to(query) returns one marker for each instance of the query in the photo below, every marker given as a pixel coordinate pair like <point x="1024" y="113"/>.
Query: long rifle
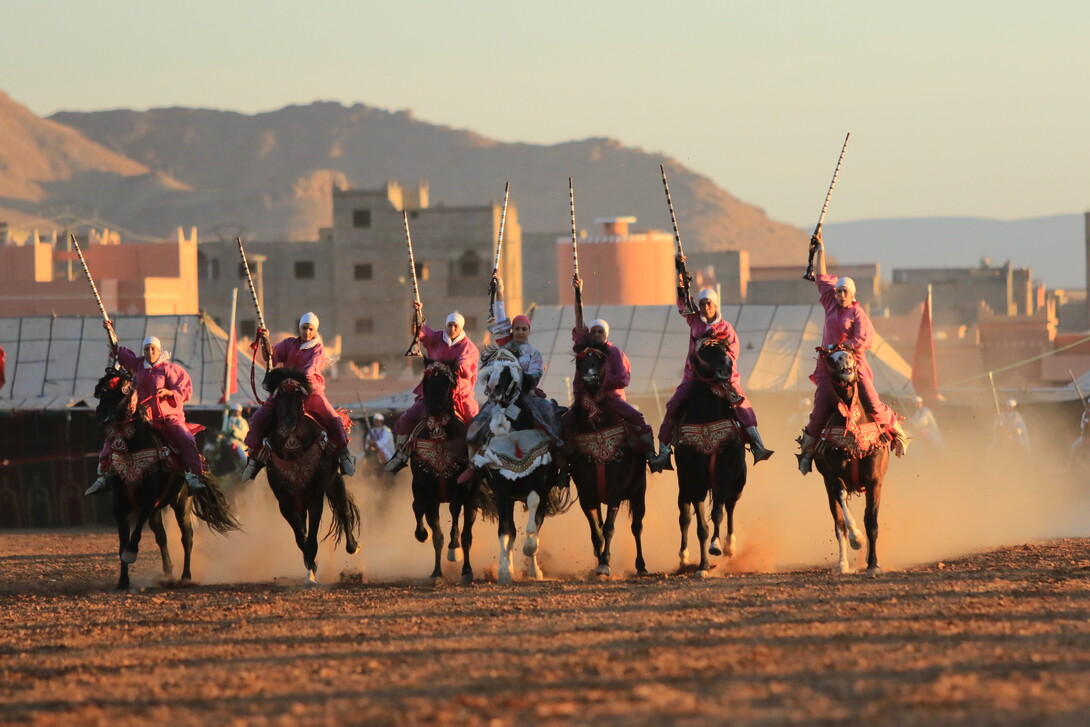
<point x="995" y="396"/>
<point x="94" y="289"/>
<point x="684" y="279"/>
<point x="1077" y="389"/>
<point x="575" y="258"/>
<point x="418" y="316"/>
<point x="809" y="274"/>
<point x="496" y="260"/>
<point x="266" y="348"/>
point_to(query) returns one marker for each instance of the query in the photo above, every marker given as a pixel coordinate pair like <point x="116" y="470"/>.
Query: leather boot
<point x="194" y="481"/>
<point x="98" y="485"/>
<point x="756" y="446"/>
<point x="401" y="454"/>
<point x="900" y="439"/>
<point x="661" y="461"/>
<point x="348" y="464"/>
<point x="253" y="466"/>
<point x="806" y="457"/>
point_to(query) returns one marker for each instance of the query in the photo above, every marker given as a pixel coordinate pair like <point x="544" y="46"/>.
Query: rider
<point x="165" y="387"/>
<point x="845" y="323"/>
<point x="924" y="425"/>
<point x="616" y="375"/>
<point x="303" y="353"/>
<point x="707" y="322"/>
<point x="1010" y="427"/>
<point x="513" y="336"/>
<point x="380" y="439"/>
<point x="236" y="428"/>
<point x="452" y="347"/>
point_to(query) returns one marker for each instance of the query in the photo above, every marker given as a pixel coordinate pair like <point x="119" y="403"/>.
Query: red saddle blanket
<point x="709" y="437"/>
<point x="601" y="446"/>
<point x="856" y="442"/>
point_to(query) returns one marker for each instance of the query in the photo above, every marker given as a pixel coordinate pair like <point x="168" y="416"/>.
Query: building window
<point x="247" y="328"/>
<point x="304" y="270"/>
<point x="421" y="271"/>
<point x="469" y="265"/>
<point x="471" y="323"/>
<point x="207" y="268"/>
<point x="364" y="271"/>
<point x="361" y="218"/>
<point x="365" y="325"/>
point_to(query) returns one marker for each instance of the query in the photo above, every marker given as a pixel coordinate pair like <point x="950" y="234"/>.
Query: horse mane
<point x="114" y="378"/>
<point x="277" y="376"/>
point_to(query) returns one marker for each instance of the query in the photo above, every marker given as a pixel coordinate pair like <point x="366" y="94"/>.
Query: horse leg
<point x="155" y="522"/>
<point x="534" y="519"/>
<point x="419" y="511"/>
<point x="144" y="512"/>
<point x="432" y="515"/>
<point x="313" y="521"/>
<point x="467" y="543"/>
<point x="714" y="546"/>
<point x="637" y="508"/>
<point x="454" y="551"/>
<point x="685" y="519"/>
<point x="702" y="535"/>
<point x="730" y="530"/>
<point x="607" y="537"/>
<point x="185" y="527"/>
<point x="121" y="517"/>
<point x="344" y="509"/>
<point x="855" y="538"/>
<point x="870" y="521"/>
<point x="838" y="506"/>
<point x="593" y="515"/>
<point x="506" y="511"/>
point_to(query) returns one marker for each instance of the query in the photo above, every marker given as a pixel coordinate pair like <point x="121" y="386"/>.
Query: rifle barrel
<point x="94" y="289"/>
<point x="574" y="235"/>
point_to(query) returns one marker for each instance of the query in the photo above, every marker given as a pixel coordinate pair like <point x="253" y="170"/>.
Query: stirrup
<point x="97" y="486"/>
<point x="760" y="454"/>
<point x="397" y="462"/>
<point x="193" y="480"/>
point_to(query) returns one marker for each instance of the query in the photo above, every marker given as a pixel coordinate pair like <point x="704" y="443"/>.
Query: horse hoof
<point x="128" y="557"/>
<point x="641" y="572"/>
<point x="454" y="555"/>
<point x="874" y="572"/>
<point x="421" y="535"/>
<point x="504" y="579"/>
<point x="602" y="570"/>
<point x="353" y="548"/>
<point x="529" y="546"/>
<point x="702" y="573"/>
<point x="855" y="539"/>
<point x="714" y="549"/>
<point x="467" y="579"/>
<point x="843" y="569"/>
<point x="684" y="556"/>
<point x="731" y="547"/>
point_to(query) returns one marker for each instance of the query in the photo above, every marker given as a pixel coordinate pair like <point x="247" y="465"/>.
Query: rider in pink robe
<point x="164" y="387"/>
<point x="452" y="347"/>
<point x="306" y="354"/>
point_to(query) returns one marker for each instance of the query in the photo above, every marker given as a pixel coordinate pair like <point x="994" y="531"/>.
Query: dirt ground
<point x="999" y="637"/>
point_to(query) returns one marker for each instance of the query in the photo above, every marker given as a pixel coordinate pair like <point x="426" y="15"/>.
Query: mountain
<point x="1054" y="248"/>
<point x="269" y="173"/>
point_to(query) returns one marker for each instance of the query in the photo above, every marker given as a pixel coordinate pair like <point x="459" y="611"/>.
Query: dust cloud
<point x="935" y="505"/>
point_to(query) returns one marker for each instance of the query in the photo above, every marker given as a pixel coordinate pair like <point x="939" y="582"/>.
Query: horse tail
<point x="560" y="500"/>
<point x="485" y="502"/>
<point x="346" y="514"/>
<point x="210" y="506"/>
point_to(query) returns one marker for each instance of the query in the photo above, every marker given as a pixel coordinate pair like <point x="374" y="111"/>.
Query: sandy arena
<point x="982" y="617"/>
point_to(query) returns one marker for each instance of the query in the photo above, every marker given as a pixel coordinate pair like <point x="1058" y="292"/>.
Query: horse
<point x="852" y="455"/>
<point x="145" y="478"/>
<point x="519" y="464"/>
<point x="438" y="457"/>
<point x="303" y="472"/>
<point x="606" y="468"/>
<point x="709" y="453"/>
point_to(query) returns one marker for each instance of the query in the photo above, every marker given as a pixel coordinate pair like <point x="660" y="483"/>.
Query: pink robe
<point x="463" y="358"/>
<point x="852" y="327"/>
<point x="290" y="354"/>
<point x="166" y="412"/>
<point x="700" y="328"/>
<point x="617" y="374"/>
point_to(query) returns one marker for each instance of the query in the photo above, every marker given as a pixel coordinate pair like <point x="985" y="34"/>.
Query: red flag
<point x="925" y="377"/>
<point x="230" y="367"/>
<point x="2" y="377"/>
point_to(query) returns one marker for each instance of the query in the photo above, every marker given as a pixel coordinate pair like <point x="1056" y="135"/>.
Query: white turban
<point x="846" y="283"/>
<point x="458" y="318"/>
<point x="601" y="324"/>
<point x="309" y="318"/>
<point x="708" y="294"/>
<point x="152" y="339"/>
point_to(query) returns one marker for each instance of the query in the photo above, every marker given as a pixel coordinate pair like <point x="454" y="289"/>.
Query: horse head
<point x="503" y="378"/>
<point x="290" y="389"/>
<point x="842" y="364"/>
<point x="116" y="394"/>
<point x="439" y="384"/>
<point x="712" y="361"/>
<point x="590" y="366"/>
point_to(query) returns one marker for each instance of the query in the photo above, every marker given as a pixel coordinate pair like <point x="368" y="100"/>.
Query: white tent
<point x="54" y="363"/>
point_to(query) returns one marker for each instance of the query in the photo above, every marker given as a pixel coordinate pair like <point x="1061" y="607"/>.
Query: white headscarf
<point x="846" y="283"/>
<point x="163" y="355"/>
<point x="601" y="323"/>
<point x="308" y="318"/>
<point x="312" y="320"/>
<point x="458" y="318"/>
<point x="708" y="294"/>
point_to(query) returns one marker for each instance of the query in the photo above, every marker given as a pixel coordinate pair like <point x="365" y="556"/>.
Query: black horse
<point x="710" y="453"/>
<point x="144" y="478"/>
<point x="852" y="456"/>
<point x="606" y="468"/>
<point x="438" y="458"/>
<point x="519" y="462"/>
<point x="303" y="471"/>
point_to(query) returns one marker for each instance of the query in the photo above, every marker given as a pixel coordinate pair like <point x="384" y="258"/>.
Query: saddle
<point x="132" y="467"/>
<point x="707" y="437"/>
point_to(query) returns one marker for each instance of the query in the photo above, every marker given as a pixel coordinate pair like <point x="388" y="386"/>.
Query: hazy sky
<point x="973" y="108"/>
